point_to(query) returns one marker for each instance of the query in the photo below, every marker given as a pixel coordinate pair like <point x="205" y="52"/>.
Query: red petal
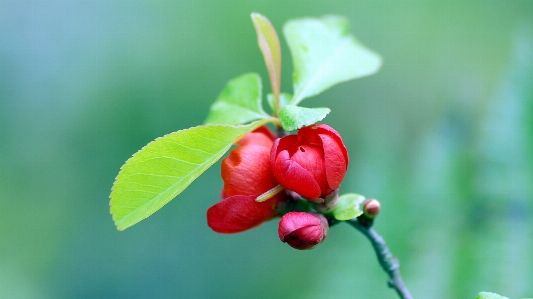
<point x="312" y="159"/>
<point x="287" y="143"/>
<point x="238" y="213"/>
<point x="294" y="177"/>
<point x="266" y="131"/>
<point x="329" y="131"/>
<point x="246" y="171"/>
<point x="334" y="161"/>
<point x="256" y="138"/>
<point x="274" y="153"/>
<point x="294" y="221"/>
<point x="309" y="135"/>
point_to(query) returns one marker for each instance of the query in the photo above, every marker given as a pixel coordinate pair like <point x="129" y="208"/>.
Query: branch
<point x="390" y="264"/>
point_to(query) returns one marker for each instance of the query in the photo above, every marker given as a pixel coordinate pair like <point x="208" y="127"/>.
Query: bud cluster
<point x="311" y="164"/>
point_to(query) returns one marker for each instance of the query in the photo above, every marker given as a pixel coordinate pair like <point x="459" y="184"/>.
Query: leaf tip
<point x="378" y="62"/>
<point x="119" y="227"/>
<point x="255" y="15"/>
<point x="116" y="221"/>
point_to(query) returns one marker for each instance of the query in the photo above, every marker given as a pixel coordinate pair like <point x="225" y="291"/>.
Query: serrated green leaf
<point x="166" y="166"/>
<point x="268" y="41"/>
<point x="324" y="54"/>
<point x="348" y="206"/>
<point x="487" y="295"/>
<point x="239" y="102"/>
<point x="284" y="99"/>
<point x="294" y="117"/>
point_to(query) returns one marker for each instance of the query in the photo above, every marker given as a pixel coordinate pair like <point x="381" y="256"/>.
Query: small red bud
<point x="371" y="208"/>
<point x="302" y="230"/>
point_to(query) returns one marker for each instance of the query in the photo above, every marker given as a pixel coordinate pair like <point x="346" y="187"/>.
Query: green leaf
<point x="487" y="295"/>
<point x="268" y="41"/>
<point x="294" y="117"/>
<point x="348" y="206"/>
<point x="284" y="99"/>
<point x="324" y="54"/>
<point x="166" y="166"/>
<point x="239" y="102"/>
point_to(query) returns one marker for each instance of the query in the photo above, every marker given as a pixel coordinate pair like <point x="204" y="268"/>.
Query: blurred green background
<point x="442" y="135"/>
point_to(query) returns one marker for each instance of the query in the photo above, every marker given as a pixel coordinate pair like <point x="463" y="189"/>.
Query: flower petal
<point x="302" y="230"/>
<point x="334" y="161"/>
<point x="309" y="135"/>
<point x="294" y="177"/>
<point x="256" y="137"/>
<point x="312" y="159"/>
<point x="246" y="171"/>
<point x="293" y="221"/>
<point x="238" y="213"/>
<point x="266" y="131"/>
<point x="323" y="129"/>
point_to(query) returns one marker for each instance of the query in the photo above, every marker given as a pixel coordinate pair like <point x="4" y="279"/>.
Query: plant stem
<point x="390" y="264"/>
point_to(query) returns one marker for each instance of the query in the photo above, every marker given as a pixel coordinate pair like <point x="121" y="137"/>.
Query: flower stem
<point x="390" y="264"/>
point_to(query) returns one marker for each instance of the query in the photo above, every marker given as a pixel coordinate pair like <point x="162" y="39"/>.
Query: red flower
<point x="302" y="230"/>
<point x="246" y="174"/>
<point x="311" y="163"/>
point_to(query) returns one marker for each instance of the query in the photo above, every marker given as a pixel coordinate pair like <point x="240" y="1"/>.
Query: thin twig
<point x="390" y="264"/>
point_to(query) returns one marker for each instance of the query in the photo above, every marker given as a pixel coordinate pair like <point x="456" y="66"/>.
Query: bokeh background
<point x="442" y="135"/>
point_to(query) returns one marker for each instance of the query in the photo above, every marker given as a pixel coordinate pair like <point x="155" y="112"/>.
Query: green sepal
<point x="294" y="117"/>
<point x="349" y="206"/>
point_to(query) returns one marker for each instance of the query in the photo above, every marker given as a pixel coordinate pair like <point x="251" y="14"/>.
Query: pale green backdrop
<point x="442" y="135"/>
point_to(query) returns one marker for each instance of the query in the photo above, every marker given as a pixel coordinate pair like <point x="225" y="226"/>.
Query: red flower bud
<point x="371" y="208"/>
<point x="246" y="174"/>
<point x="302" y="230"/>
<point x="311" y="163"/>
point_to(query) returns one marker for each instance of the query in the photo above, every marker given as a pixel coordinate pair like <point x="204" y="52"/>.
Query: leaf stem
<point x="390" y="264"/>
<point x="272" y="119"/>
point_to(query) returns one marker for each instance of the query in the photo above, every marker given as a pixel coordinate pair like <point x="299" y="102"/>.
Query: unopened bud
<point x="302" y="230"/>
<point x="371" y="208"/>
